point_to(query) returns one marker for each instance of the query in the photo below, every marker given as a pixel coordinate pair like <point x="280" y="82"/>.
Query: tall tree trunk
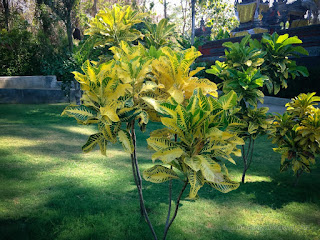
<point x="77" y="88"/>
<point x="193" y="14"/>
<point x="6" y="13"/>
<point x="165" y="8"/>
<point x="184" y="17"/>
<point x="94" y="9"/>
<point x="69" y="31"/>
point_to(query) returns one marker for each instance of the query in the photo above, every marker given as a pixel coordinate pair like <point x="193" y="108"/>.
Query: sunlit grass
<point x="49" y="189"/>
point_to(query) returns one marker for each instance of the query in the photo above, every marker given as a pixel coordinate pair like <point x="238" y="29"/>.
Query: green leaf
<point x="159" y="174"/>
<point x="228" y="101"/>
<point x="292" y="40"/>
<point x="303" y="70"/>
<point x="196" y="181"/>
<point x="125" y="139"/>
<point x="92" y="142"/>
<point x="252" y="128"/>
<point x="81" y="113"/>
<point x="103" y="146"/>
<point x="160" y="143"/>
<point x="193" y="162"/>
<point x="281" y="38"/>
<point x="127" y="114"/>
<point x="300" y="50"/>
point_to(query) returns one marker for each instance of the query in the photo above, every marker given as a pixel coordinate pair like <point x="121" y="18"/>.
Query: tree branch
<point x="176" y="210"/>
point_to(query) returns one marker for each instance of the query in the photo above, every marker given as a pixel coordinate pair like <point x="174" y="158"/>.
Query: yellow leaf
<point x="226" y="185"/>
<point x="167" y="155"/>
<point x="110" y="112"/>
<point x="177" y="94"/>
<point x="125" y="139"/>
<point x="159" y="174"/>
<point x="196" y="181"/>
<point x="209" y="169"/>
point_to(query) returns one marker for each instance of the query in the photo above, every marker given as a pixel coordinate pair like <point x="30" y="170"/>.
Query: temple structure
<point x="258" y="16"/>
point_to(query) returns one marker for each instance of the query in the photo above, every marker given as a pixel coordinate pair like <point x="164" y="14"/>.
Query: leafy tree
<point x="250" y="65"/>
<point x="17" y="50"/>
<point x="220" y="16"/>
<point x="278" y="64"/>
<point x="297" y="134"/>
<point x="195" y="139"/>
<point x="111" y="97"/>
<point x="216" y="14"/>
<point x="128" y="88"/>
<point x="63" y="9"/>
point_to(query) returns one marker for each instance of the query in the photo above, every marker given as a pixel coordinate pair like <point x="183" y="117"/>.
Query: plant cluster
<point x="297" y="134"/>
<point x="150" y="80"/>
<point x="138" y="84"/>
<point x="250" y="66"/>
<point x="197" y="136"/>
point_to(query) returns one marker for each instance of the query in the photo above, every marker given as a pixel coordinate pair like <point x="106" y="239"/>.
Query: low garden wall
<point x="32" y="89"/>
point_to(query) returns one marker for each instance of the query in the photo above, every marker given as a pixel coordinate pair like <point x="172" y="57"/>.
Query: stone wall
<point x="32" y="89"/>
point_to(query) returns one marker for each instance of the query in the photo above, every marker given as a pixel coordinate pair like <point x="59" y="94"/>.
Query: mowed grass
<point x="49" y="189"/>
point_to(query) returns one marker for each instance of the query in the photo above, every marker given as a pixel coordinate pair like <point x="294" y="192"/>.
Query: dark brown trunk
<point x="6" y="13"/>
<point x="193" y="15"/>
<point x="300" y="171"/>
<point x="94" y="9"/>
<point x="165" y="8"/>
<point x="69" y="31"/>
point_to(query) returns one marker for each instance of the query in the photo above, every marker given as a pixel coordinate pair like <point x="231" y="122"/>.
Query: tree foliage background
<point x="36" y="35"/>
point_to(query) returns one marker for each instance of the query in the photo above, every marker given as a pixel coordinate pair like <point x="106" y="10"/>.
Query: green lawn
<point x="49" y="189"/>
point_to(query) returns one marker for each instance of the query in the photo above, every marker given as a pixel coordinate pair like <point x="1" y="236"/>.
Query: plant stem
<point x="247" y="158"/>
<point x="170" y="192"/>
<point x="138" y="180"/>
<point x="300" y="171"/>
<point x="170" y="198"/>
<point x="251" y="153"/>
<point x="244" y="163"/>
<point x="176" y="210"/>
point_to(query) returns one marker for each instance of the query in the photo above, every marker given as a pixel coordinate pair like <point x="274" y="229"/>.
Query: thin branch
<point x="170" y="192"/>
<point x="243" y="153"/>
<point x="170" y="199"/>
<point x="300" y="171"/>
<point x="251" y="154"/>
<point x="244" y="163"/>
<point x="176" y="210"/>
<point x="248" y="150"/>
<point x="138" y="180"/>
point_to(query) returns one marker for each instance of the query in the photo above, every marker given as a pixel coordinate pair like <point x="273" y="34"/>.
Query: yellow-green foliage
<point x="257" y="122"/>
<point x="204" y="138"/>
<point x="133" y="64"/>
<point x="159" y="35"/>
<point x="297" y="133"/>
<point x="172" y="71"/>
<point x="111" y="26"/>
<point x="105" y="103"/>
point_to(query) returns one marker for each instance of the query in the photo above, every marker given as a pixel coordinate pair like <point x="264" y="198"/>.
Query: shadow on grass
<point x="73" y="208"/>
<point x="276" y="195"/>
<point x="75" y="212"/>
